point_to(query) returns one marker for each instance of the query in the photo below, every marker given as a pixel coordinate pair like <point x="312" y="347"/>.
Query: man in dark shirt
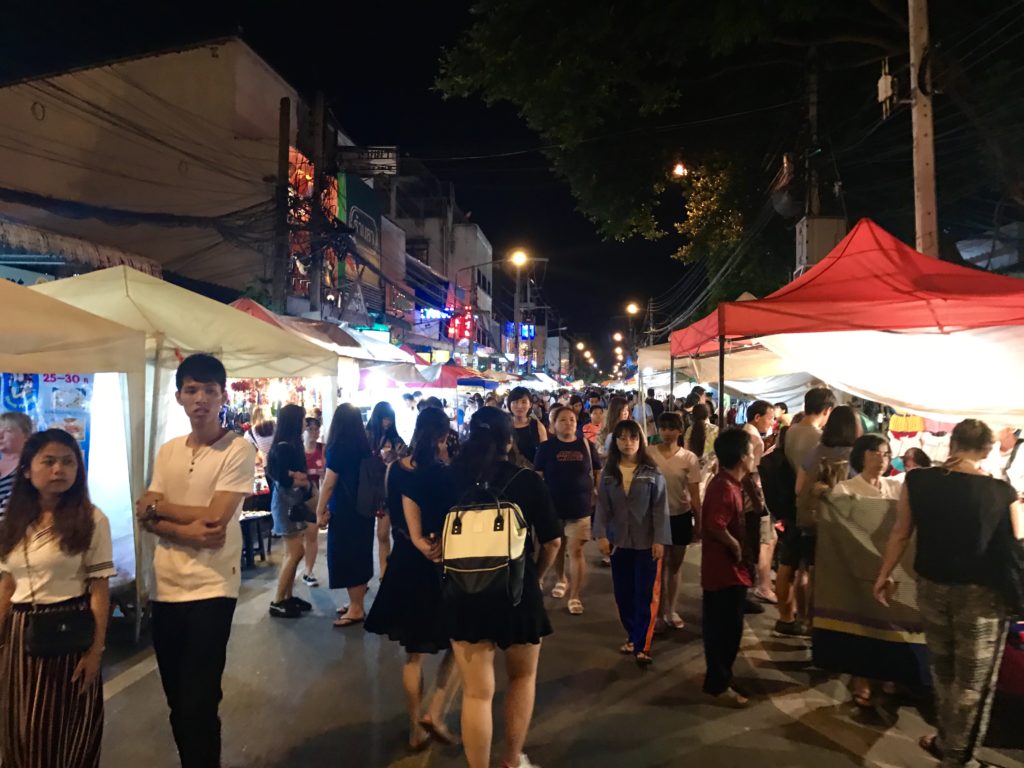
<point x="723" y="576"/>
<point x="657" y="407"/>
<point x="571" y="468"/>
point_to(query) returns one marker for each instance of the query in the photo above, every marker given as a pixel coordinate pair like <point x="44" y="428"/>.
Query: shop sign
<point x="369" y="161"/>
<point x="359" y="208"/>
<point x="52" y="401"/>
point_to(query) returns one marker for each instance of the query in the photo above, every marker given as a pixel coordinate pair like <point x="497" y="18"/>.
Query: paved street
<point x="300" y="693"/>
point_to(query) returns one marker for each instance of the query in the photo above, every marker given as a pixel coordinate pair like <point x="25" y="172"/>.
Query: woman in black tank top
<point x="529" y="433"/>
<point x="962" y="518"/>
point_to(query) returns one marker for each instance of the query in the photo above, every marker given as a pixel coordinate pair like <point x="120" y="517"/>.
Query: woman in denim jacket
<point x="632" y="516"/>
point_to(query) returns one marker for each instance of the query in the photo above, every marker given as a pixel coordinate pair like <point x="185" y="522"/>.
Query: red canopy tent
<point x="870" y="281"/>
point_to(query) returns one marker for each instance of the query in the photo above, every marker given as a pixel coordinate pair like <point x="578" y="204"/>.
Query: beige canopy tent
<point x="742" y="364"/>
<point x="42" y="335"/>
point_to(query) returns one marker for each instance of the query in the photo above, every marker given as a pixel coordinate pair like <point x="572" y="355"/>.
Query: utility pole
<point x="813" y="192"/>
<point x="925" y="214"/>
<point x="530" y="347"/>
<point x="516" y="319"/>
<point x="279" y="265"/>
<point x="316" y="216"/>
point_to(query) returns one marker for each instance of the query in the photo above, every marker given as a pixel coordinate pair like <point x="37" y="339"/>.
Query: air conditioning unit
<point x="815" y="237"/>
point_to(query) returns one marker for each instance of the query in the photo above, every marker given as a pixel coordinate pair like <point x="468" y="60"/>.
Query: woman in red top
<point x="315" y="466"/>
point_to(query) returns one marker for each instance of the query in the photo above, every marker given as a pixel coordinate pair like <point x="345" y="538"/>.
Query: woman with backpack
<point x="479" y="625"/>
<point x="632" y="515"/>
<point x="349" y="533"/>
<point x="407" y="608"/>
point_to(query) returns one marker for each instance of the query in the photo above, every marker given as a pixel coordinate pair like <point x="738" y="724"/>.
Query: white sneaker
<point x="524" y="762"/>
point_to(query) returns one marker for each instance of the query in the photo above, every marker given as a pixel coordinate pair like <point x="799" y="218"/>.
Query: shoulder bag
<point x="60" y="632"/>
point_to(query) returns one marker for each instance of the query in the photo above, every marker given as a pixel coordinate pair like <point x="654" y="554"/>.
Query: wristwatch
<point x="150" y="511"/>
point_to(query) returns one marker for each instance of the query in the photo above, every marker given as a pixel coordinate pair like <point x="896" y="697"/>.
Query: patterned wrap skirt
<point x="46" y="721"/>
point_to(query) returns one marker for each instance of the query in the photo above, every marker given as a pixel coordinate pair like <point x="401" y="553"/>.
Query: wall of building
<point x="472" y="248"/>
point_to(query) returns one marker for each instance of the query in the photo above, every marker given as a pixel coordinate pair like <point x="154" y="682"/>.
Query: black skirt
<point x="45" y="719"/>
<point x="473" y="619"/>
<point x="349" y="548"/>
<point x="407" y="608"/>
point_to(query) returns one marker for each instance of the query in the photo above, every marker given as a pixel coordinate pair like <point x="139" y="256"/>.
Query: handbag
<point x="60" y="632"/>
<point x="1007" y="556"/>
<point x="298" y="512"/>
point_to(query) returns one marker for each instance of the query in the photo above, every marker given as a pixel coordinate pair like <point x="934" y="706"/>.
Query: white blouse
<point x="858" y="486"/>
<point x="56" y="575"/>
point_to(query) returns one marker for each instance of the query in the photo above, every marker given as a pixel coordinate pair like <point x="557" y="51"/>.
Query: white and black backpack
<point x="483" y="545"/>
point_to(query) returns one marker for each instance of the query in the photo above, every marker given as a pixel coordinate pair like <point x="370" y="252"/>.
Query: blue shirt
<point x="635" y="520"/>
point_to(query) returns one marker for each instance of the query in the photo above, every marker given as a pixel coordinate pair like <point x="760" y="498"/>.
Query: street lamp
<point x="580" y="346"/>
<point x="680" y="171"/>
<point x="617" y="336"/>
<point x="632" y="308"/>
<point x="618" y="350"/>
<point x="518" y="259"/>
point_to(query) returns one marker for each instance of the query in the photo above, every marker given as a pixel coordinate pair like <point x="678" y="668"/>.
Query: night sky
<point x="377" y="63"/>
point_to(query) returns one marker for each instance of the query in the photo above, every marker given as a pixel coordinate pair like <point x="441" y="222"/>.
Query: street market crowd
<point x="434" y="499"/>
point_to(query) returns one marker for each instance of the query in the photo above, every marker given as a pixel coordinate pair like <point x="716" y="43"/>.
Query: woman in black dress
<point x="529" y="432"/>
<point x="407" y="608"/>
<point x="479" y="626"/>
<point x="349" y="534"/>
<point x="386" y="443"/>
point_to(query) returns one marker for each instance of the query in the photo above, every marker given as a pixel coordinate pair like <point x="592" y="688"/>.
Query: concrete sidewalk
<point x="301" y="693"/>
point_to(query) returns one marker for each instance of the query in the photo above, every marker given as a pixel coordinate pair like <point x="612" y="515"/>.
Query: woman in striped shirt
<point x="14" y="431"/>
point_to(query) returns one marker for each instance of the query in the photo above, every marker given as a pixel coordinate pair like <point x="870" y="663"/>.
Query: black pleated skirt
<point x="45" y="719"/>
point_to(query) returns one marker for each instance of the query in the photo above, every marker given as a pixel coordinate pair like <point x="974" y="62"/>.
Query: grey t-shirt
<point x="800" y="441"/>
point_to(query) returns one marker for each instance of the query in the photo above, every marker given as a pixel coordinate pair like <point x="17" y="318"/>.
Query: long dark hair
<point x="375" y="427"/>
<point x="346" y="438"/>
<point x="699" y="429"/>
<point x="291" y="421"/>
<point x="431" y="428"/>
<point x="840" y="430"/>
<point x="490" y="433"/>
<point x="643" y="459"/>
<point x="73" y="517"/>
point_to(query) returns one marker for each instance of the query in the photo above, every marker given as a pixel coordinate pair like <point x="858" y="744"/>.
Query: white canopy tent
<point x="42" y="335"/>
<point x="177" y="322"/>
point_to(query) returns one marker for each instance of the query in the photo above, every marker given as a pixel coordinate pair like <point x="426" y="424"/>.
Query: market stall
<point x="177" y="322"/>
<point x="68" y="368"/>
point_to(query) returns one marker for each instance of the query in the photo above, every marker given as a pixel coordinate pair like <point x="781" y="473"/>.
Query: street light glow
<point x="586" y="354"/>
<point x="519" y="257"/>
<point x="618" y="350"/>
<point x="632" y="308"/>
<point x="680" y="171"/>
<point x="617" y="336"/>
<point x="580" y="346"/>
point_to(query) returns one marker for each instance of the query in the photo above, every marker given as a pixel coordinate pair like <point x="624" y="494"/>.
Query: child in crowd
<point x="632" y="515"/>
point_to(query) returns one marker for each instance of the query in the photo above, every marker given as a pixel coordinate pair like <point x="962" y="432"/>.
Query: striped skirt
<point x="46" y="721"/>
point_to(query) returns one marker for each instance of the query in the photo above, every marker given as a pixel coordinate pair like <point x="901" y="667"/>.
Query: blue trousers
<point x="636" y="582"/>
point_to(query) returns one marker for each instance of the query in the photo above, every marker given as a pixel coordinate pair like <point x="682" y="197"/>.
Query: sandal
<point x="862" y="699"/>
<point x="438" y="733"/>
<point x="575" y="606"/>
<point x="560" y="589"/>
<point x="766" y="597"/>
<point x="675" y="621"/>
<point x="343" y="610"/>
<point x="930" y="744"/>
<point x="626" y="648"/>
<point x="345" y="621"/>
<point x="644" y="660"/>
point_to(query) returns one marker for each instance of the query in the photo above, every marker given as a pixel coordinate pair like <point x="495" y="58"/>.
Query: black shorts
<point x="796" y="546"/>
<point x="682" y="529"/>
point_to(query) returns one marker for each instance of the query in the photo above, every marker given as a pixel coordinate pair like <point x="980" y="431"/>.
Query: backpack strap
<point x="1013" y="455"/>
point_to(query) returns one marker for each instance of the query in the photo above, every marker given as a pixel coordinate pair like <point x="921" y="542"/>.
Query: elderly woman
<point x="15" y="429"/>
<point x="869" y="458"/>
<point x="963" y="518"/>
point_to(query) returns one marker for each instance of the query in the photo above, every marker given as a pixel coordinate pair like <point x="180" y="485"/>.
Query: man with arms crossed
<point x="192" y="506"/>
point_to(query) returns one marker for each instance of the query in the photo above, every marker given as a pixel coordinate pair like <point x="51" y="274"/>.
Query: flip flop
<point x="343" y="610"/>
<point x="644" y="660"/>
<point x="344" y="621"/>
<point x="626" y="648"/>
<point x="575" y="606"/>
<point x="675" y="621"/>
<point x="930" y="744"/>
<point x="442" y="736"/>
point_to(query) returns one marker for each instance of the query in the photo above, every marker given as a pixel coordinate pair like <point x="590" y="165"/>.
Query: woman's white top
<point x="858" y="486"/>
<point x="56" y="575"/>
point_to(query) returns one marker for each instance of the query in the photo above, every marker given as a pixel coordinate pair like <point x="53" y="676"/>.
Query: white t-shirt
<point x="55" y="575"/>
<point x="190" y="479"/>
<point x="757" y="441"/>
<point x="680" y="469"/>
<point x="858" y="486"/>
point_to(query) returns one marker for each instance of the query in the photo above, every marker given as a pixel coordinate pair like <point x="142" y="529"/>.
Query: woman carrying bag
<point x="55" y="559"/>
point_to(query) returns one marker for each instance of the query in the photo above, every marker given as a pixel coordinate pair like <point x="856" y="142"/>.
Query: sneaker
<point x="524" y="762"/>
<point x="790" y="629"/>
<point x="299" y="603"/>
<point x="285" y="610"/>
<point x="752" y="606"/>
<point x="310" y="580"/>
<point x="606" y="562"/>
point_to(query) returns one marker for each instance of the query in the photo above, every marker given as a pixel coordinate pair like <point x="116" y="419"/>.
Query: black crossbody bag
<point x="60" y="632"/>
